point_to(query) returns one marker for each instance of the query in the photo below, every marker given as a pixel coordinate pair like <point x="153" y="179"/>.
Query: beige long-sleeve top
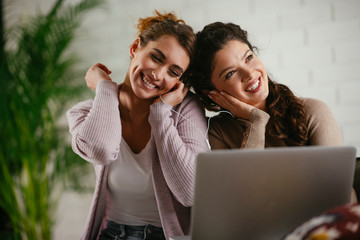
<point x="227" y="132"/>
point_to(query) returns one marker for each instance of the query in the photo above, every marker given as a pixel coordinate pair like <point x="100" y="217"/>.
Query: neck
<point x="132" y="107"/>
<point x="262" y="106"/>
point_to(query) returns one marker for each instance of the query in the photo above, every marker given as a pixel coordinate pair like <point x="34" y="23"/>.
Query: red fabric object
<point x="339" y="223"/>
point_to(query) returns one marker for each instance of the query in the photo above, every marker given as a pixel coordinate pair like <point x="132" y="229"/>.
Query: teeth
<point x="149" y="84"/>
<point x="254" y="86"/>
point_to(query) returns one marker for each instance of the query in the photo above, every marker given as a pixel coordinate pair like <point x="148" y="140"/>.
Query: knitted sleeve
<point x="179" y="137"/>
<point x="254" y="136"/>
<point x="227" y="132"/>
<point x="95" y="125"/>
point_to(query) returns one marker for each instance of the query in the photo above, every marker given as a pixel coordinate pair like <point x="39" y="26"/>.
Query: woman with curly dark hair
<point x="229" y="78"/>
<point x="227" y="75"/>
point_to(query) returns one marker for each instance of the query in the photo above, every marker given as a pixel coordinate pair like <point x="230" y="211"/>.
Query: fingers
<point x="95" y="74"/>
<point x="228" y="99"/>
<point x="238" y="108"/>
<point x="220" y="98"/>
<point x="176" y="95"/>
<point x="102" y="67"/>
<point x="101" y="71"/>
<point x="182" y="89"/>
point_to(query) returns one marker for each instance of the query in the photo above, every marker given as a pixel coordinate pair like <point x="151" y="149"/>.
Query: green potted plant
<point x="37" y="80"/>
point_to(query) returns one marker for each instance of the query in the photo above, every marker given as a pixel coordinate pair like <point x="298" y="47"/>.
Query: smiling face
<point x="239" y="72"/>
<point x="156" y="67"/>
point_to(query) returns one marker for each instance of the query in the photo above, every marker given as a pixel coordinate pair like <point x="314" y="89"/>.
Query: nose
<point x="158" y="73"/>
<point x="245" y="73"/>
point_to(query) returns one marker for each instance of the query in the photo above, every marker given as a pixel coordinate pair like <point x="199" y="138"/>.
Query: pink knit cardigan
<point x="95" y="127"/>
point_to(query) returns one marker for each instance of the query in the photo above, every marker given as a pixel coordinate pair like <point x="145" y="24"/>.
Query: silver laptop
<point x="264" y="194"/>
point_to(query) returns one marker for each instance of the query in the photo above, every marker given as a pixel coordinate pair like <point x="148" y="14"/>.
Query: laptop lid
<point x="263" y="194"/>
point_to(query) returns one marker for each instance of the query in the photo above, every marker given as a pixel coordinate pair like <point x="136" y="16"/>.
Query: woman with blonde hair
<point x="142" y="136"/>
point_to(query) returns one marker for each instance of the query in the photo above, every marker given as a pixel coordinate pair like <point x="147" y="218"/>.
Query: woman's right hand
<point x="237" y="108"/>
<point x="95" y="74"/>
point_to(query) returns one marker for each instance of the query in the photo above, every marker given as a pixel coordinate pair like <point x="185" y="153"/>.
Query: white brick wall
<point x="311" y="45"/>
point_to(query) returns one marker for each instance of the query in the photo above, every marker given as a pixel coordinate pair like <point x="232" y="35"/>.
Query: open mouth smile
<point x="253" y="87"/>
<point x="148" y="82"/>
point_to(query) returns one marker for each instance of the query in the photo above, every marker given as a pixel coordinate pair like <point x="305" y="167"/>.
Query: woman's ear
<point x="134" y="47"/>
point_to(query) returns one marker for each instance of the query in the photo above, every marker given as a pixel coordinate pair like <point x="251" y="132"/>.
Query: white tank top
<point x="131" y="197"/>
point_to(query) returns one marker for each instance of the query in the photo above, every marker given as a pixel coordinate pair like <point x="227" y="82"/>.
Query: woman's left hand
<point x="175" y="96"/>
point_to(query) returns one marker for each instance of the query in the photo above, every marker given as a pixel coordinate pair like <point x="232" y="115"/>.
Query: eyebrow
<point x="222" y="72"/>
<point x="163" y="57"/>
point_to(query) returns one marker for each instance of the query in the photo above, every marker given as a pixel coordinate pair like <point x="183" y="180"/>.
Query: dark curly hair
<point x="287" y="113"/>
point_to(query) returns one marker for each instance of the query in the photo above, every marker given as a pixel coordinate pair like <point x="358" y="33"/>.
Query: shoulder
<point x="191" y="101"/>
<point x="318" y="114"/>
<point x="315" y="106"/>
<point x="313" y="103"/>
<point x="191" y="97"/>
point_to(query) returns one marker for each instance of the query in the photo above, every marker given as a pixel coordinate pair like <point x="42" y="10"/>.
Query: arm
<point x="250" y="126"/>
<point x="178" y="140"/>
<point x="95" y="125"/>
<point x="227" y="132"/>
<point x="254" y="136"/>
<point x="218" y="132"/>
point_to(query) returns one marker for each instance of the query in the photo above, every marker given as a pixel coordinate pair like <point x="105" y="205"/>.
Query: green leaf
<point x="38" y="83"/>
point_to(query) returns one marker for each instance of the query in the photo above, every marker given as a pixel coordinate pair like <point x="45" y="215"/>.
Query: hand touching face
<point x="175" y="96"/>
<point x="237" y="108"/>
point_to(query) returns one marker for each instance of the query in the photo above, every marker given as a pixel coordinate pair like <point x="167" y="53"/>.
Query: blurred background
<point x="313" y="46"/>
